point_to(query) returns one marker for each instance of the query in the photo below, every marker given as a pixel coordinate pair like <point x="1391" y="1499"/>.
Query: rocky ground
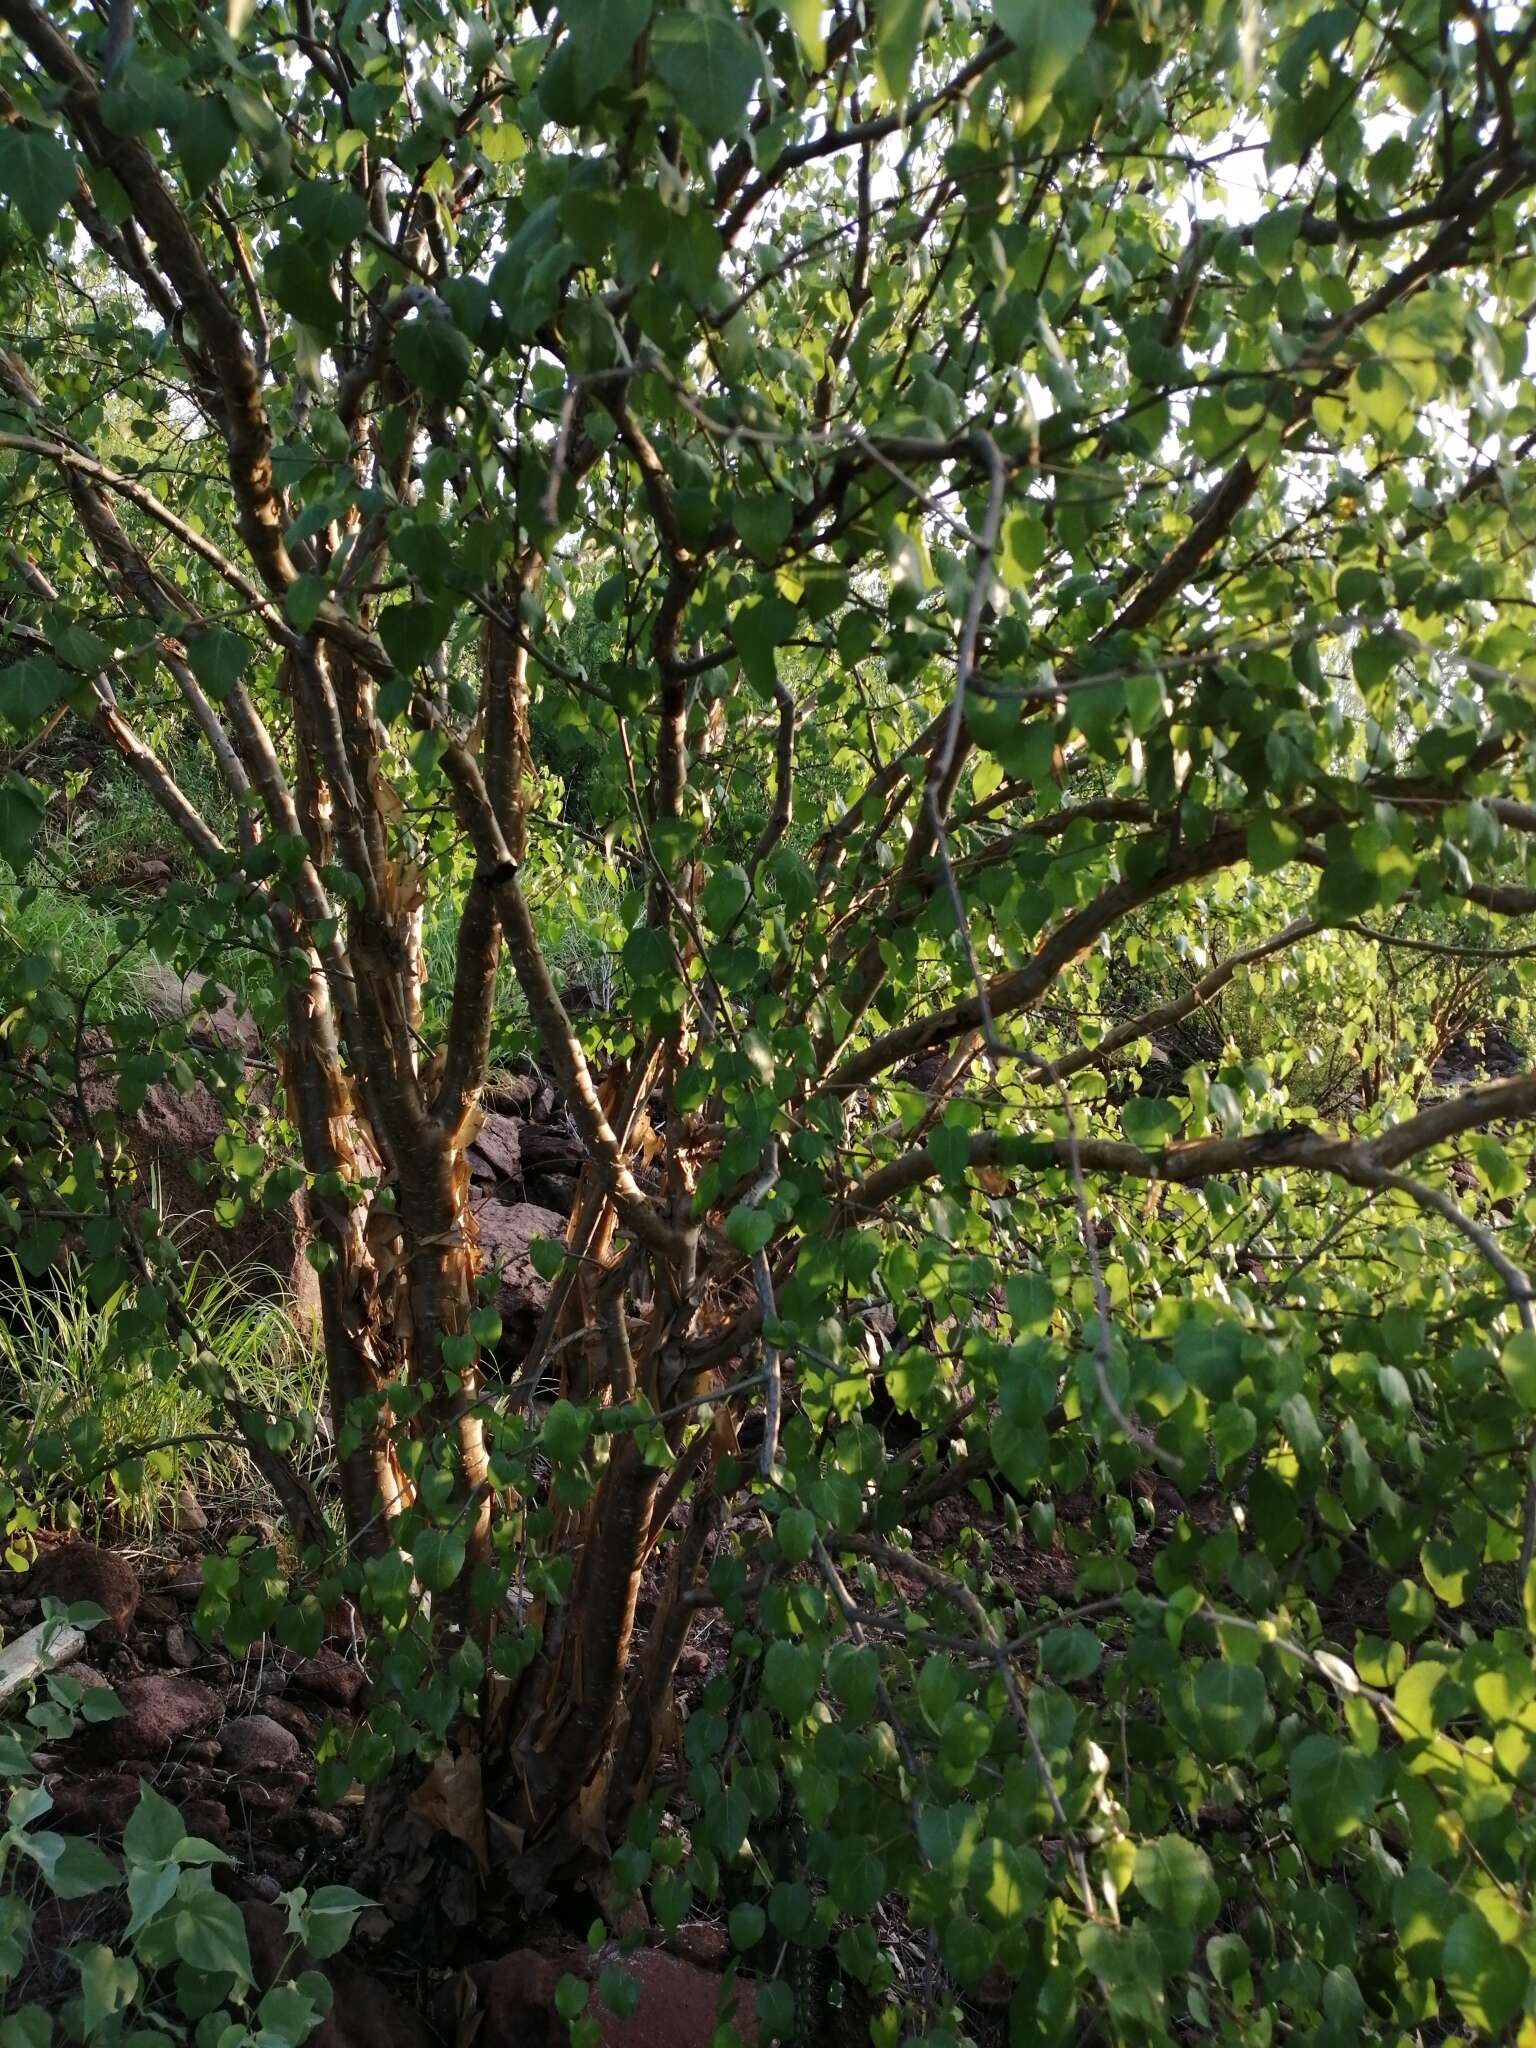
<point x="232" y="1742"/>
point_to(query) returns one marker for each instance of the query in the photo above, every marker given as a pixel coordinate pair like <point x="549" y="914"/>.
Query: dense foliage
<point x="979" y="561"/>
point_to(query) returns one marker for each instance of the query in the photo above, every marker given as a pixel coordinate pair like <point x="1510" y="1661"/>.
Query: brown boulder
<point x="163" y="1137"/>
<point x="329" y="1677"/>
<point x="158" y="1710"/>
<point x="363" y="2014"/>
<point x="678" y="2005"/>
<point x="495" y="1153"/>
<point x="267" y="1791"/>
<point x="207" y="1820"/>
<point x="79" y="1571"/>
<point x="93" y="1806"/>
<point x="506" y="1230"/>
<point x="170" y="999"/>
<point x="255" y="1742"/>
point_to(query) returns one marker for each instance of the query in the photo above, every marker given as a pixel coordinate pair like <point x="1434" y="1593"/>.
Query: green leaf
<point x="154" y="1830"/>
<point x="804" y="18"/>
<point x="438" y="1555"/>
<point x="564" y="1431"/>
<point x="899" y="30"/>
<point x="331" y="215"/>
<point x="1007" y="1883"/>
<point x="81" y="1869"/>
<point x="1021" y="549"/>
<point x="1048" y="35"/>
<point x="747" y="1923"/>
<point x="938" y="1688"/>
<point x="750" y="1228"/>
<point x="205" y="139"/>
<point x="328" y="1918"/>
<point x="795" y="1533"/>
<point x="710" y="66"/>
<point x="791" y="1675"/>
<point x="1230" y="1704"/>
<point x="603" y="37"/>
<point x="1070" y="1655"/>
<point x="37" y="175"/>
<point x="856" y="1877"/>
<point x="724" y="896"/>
<point x="218" y="658"/>
<point x="547" y="1256"/>
<point x="1272" y="845"/>
<point x="1486" y="1977"/>
<point x="1333" y="1792"/>
<point x="1517" y="1362"/>
<point x="107" y="1984"/>
<point x="1174" y="1877"/>
<point x="210" y="1934"/>
<point x="1149" y="1122"/>
<point x="763" y="521"/>
<point x="853" y="1673"/>
<point x="1301" y="1427"/>
<point x="434" y="356"/>
<point x="29" y="689"/>
<point x="302" y="600"/>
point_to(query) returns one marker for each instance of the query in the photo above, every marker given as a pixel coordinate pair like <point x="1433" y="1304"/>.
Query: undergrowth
<point x="96" y="1438"/>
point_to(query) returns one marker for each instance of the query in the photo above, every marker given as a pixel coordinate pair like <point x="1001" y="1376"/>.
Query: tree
<point x="1058" y="477"/>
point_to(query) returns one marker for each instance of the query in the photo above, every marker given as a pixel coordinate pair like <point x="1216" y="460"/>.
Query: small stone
<point x="307" y="1824"/>
<point x="271" y="1792"/>
<point x="207" y="1820"/>
<point x="256" y="1742"/>
<point x="180" y="1649"/>
<point x="329" y="1677"/>
<point x="72" y="1572"/>
<point x="159" y="1710"/>
<point x="93" y="1806"/>
<point x="188" y="1514"/>
<point x="291" y="1715"/>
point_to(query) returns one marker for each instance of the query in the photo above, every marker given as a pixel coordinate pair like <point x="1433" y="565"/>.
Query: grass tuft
<point x="99" y="1435"/>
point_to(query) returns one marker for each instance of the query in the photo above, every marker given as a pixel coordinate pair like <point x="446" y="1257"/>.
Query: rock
<point x="180" y="1649"/>
<point x="309" y="1824"/>
<point x="255" y="1742"/>
<point x="207" y="1820"/>
<point x="93" y="1806"/>
<point x="703" y="1942"/>
<point x="169" y="999"/>
<point x="158" y="1710"/>
<point x="187" y="1514"/>
<point x="79" y="1571"/>
<point x="292" y="1716"/>
<point x="269" y="1792"/>
<point x="495" y="1155"/>
<point x="329" y="1677"/>
<point x="506" y="1229"/>
<point x="87" y="1674"/>
<point x="364" y="2012"/>
<point x="163" y="1136"/>
<point x="677" y="2008"/>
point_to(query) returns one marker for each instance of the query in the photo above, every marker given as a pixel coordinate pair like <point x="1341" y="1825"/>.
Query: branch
<point x="1021" y="989"/>
<point x="1361" y="1161"/>
<point x="126" y="487"/>
<point x="246" y="432"/>
<point x="1194" y="998"/>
